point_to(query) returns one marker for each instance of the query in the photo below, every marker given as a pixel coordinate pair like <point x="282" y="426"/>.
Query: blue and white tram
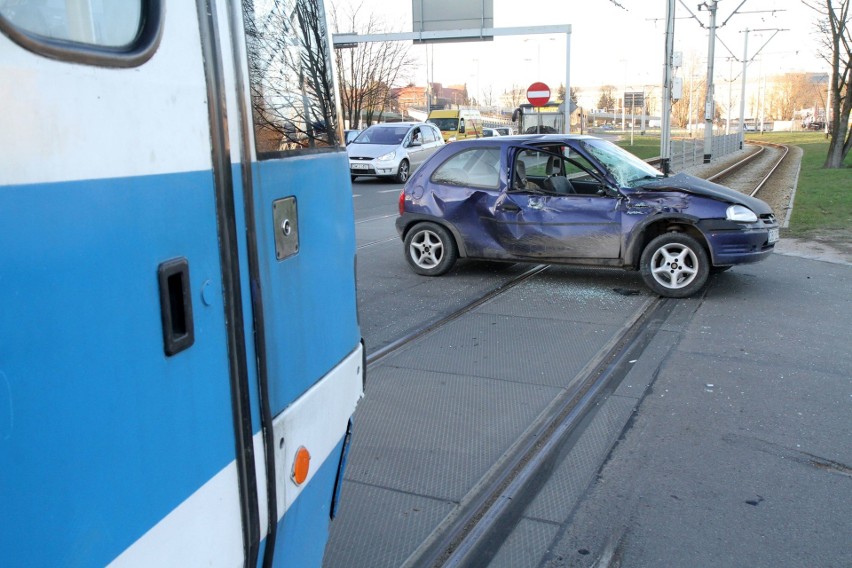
<point x="180" y="355"/>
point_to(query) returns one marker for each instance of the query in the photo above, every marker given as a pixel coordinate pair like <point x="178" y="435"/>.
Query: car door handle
<point x="510" y="207"/>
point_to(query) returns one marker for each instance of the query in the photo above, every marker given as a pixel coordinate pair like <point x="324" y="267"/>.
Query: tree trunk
<point x="841" y="137"/>
<point x="837" y="43"/>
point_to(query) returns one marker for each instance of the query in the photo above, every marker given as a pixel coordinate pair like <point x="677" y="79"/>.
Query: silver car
<point x="392" y="149"/>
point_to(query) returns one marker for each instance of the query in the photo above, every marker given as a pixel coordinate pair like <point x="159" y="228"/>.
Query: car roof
<point x="396" y="124"/>
<point x="523" y="138"/>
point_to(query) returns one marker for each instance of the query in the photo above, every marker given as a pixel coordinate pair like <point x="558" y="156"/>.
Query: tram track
<point x="504" y="287"/>
<point x="767" y="160"/>
<point x="464" y="535"/>
<point x="377" y="242"/>
<point x="376" y="218"/>
<point x="492" y="512"/>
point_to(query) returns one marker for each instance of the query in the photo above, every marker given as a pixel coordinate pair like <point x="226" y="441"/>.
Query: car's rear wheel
<point x="430" y="249"/>
<point x="674" y="265"/>
<point x="403" y="172"/>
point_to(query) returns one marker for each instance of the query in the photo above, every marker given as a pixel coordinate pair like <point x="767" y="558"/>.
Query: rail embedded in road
<point x="491" y="505"/>
<point x="386" y="350"/>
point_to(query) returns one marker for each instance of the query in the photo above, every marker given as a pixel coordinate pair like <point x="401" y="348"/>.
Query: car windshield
<point x="627" y="169"/>
<point x="445" y="124"/>
<point x="384" y="135"/>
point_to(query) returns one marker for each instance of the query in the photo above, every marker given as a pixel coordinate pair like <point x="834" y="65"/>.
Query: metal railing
<point x="688" y="152"/>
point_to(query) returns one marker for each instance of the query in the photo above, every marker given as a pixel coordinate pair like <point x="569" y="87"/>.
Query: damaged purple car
<point x="566" y="199"/>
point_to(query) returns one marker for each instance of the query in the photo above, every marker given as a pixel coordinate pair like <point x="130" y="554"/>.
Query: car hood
<point x="697" y="186"/>
<point x="369" y="150"/>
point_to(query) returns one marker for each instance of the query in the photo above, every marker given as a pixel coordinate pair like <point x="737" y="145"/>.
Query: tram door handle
<point x="175" y="305"/>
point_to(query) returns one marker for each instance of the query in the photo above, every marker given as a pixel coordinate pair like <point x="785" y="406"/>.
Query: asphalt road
<point x="393" y="301"/>
<point x="727" y="444"/>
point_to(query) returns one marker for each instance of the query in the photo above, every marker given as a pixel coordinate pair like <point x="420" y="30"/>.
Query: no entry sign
<point x="538" y="94"/>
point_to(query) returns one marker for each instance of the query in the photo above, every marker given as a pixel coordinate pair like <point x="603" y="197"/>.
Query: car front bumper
<point x="372" y="168"/>
<point x="731" y="243"/>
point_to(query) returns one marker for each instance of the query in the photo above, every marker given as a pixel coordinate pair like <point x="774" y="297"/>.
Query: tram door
<point x="121" y="419"/>
<point x="303" y="228"/>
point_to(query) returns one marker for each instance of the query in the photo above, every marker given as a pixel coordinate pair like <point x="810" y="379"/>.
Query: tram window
<point x="103" y="23"/>
<point x="290" y="73"/>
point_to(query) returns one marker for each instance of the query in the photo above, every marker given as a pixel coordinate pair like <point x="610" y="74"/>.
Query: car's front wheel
<point x="674" y="265"/>
<point x="430" y="249"/>
<point x="403" y="172"/>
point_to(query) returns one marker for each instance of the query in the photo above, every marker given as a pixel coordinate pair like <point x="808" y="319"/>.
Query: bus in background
<point x="457" y="124"/>
<point x="545" y="119"/>
<point x="180" y="355"/>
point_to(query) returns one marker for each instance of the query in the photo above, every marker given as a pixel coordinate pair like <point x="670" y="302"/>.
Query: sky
<point x="618" y="43"/>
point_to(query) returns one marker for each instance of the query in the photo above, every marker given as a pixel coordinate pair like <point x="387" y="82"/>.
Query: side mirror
<point x="415" y="142"/>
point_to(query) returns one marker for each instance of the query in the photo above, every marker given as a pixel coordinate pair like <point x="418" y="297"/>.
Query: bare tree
<point x="368" y="72"/>
<point x="833" y="26"/>
<point x="488" y="96"/>
<point x="515" y="96"/>
<point x="790" y="92"/>
<point x="689" y="109"/>
<point x="607" y="101"/>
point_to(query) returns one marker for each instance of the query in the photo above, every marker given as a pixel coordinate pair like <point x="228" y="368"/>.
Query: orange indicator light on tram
<point x="301" y="465"/>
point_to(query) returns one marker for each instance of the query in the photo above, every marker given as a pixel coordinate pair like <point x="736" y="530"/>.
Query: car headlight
<point x="387" y="157"/>
<point x="740" y="214"/>
<point x="451" y="139"/>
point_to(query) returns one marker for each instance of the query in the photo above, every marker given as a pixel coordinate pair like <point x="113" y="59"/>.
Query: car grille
<point x="736" y="249"/>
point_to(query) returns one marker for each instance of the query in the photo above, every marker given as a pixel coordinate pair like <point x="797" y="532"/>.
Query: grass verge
<point x="644" y="147"/>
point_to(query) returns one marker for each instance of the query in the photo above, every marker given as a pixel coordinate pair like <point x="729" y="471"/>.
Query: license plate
<point x="773" y="235"/>
<point x="360" y="166"/>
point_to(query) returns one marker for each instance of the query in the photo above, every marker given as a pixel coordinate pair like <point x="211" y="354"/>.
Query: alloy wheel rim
<point x="426" y="249"/>
<point x="674" y="266"/>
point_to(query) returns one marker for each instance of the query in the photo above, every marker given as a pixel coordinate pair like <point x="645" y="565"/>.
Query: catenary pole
<point x="666" y="119"/>
<point x="709" y="105"/>
<point x="743" y="91"/>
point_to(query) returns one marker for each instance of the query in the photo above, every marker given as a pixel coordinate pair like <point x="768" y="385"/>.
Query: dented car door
<point x="540" y="226"/>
